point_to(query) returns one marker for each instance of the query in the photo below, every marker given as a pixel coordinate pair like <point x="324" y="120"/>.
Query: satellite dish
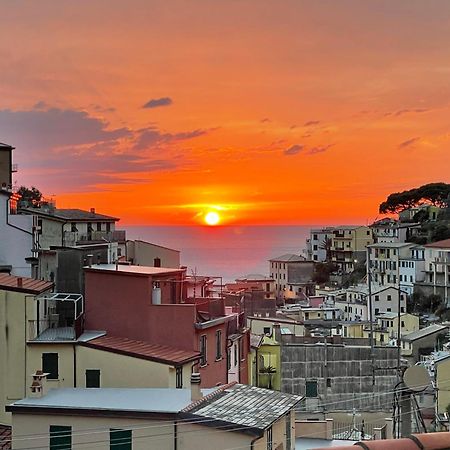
<point x="416" y="378"/>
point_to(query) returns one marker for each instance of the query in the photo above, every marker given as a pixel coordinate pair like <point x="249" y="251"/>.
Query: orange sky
<point x="271" y="112"/>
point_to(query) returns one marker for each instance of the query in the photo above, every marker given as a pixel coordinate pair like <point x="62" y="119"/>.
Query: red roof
<point x="439" y="244"/>
<point x="428" y="441"/>
<point x="5" y="437"/>
<point x="23" y="284"/>
<point x="143" y="350"/>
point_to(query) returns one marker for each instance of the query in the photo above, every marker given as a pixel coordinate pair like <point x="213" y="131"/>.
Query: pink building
<point x="146" y="304"/>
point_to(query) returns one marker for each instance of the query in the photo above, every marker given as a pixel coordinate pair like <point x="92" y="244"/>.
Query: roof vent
<point x="196" y="393"/>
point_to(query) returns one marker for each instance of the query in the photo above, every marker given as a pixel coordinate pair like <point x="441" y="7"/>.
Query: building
<point x="319" y="244"/>
<point x="437" y="270"/>
<point x="184" y="419"/>
<point x="412" y="269"/>
<point x="142" y="253"/>
<point x="390" y="230"/>
<point x="18" y="314"/>
<point x="7" y="168"/>
<point x="252" y="283"/>
<point x="149" y="306"/>
<point x="293" y="276"/>
<point x="348" y="246"/>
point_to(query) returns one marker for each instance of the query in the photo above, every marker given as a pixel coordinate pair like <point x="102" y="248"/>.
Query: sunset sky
<point x="284" y="112"/>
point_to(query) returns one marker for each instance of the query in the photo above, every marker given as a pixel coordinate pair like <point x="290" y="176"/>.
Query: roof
<point x="28" y="285"/>
<point x="143" y="350"/>
<point x="151" y="400"/>
<point x="132" y="270"/>
<point x="246" y="406"/>
<point x="5" y="437"/>
<point x="425" y="441"/>
<point x="424" y="332"/>
<point x="62" y="335"/>
<point x="7" y="146"/>
<point x="289" y="257"/>
<point x="78" y="215"/>
<point x="390" y="315"/>
<point x="439" y="244"/>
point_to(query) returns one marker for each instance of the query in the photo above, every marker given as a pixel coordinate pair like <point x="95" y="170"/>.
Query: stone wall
<point x="343" y="375"/>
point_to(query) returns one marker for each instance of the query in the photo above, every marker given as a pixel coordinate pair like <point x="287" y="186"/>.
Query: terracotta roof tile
<point x="29" y="285"/>
<point x="433" y="441"/>
<point x="439" y="244"/>
<point x="388" y="444"/>
<point x="144" y="350"/>
<point x="5" y="437"/>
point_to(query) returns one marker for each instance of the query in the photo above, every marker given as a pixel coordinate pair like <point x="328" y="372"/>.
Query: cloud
<point x="152" y="136"/>
<point x="41" y="105"/>
<point x="319" y="149"/>
<point x="400" y="112"/>
<point x="408" y="142"/>
<point x="157" y="102"/>
<point x="265" y="120"/>
<point x="44" y="129"/>
<point x="293" y="150"/>
<point x="311" y="123"/>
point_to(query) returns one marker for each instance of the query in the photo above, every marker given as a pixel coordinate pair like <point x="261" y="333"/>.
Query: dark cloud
<point x="311" y="123"/>
<point x="400" y="112"/>
<point x="265" y="120"/>
<point x="408" y="142"/>
<point x="152" y="136"/>
<point x="157" y="102"/>
<point x="36" y="130"/>
<point x="319" y="149"/>
<point x="293" y="150"/>
<point x="102" y="109"/>
<point x="41" y="105"/>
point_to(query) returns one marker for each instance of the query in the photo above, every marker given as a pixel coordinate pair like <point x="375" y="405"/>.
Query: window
<point x="388" y="309"/>
<point x="218" y="345"/>
<point x="377" y="311"/>
<point x="266" y="330"/>
<point x="403" y="324"/>
<point x="389" y="298"/>
<point x="119" y="439"/>
<point x="50" y="365"/>
<point x="156" y="262"/>
<point x="402" y="309"/>
<point x="60" y="437"/>
<point x="179" y="377"/>
<point x="108" y="227"/>
<point x="203" y="355"/>
<point x="315" y="247"/>
<point x="236" y="348"/>
<point x="381" y="337"/>
<point x="328" y="382"/>
<point x="241" y="349"/>
<point x="92" y="378"/>
<point x="311" y="389"/>
<point x="269" y="439"/>
<point x="73" y="227"/>
<point x="99" y="226"/>
<point x="377" y="298"/>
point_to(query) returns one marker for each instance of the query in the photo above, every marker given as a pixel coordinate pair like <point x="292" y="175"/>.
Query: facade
<point x="252" y="283"/>
<point x="293" y="276"/>
<point x="348" y="246"/>
<point x="265" y="362"/>
<point x="412" y="269"/>
<point x="423" y="342"/>
<point x="156" y="312"/>
<point x="157" y="418"/>
<point x="319" y="243"/>
<point x="390" y="230"/>
<point x="18" y="311"/>
<point x="437" y="270"/>
<point x="141" y="253"/>
<point x="388" y="300"/>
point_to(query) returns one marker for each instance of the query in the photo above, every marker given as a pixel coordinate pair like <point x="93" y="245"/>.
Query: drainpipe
<point x="252" y="443"/>
<point x="74" y="365"/>
<point x="175" y="435"/>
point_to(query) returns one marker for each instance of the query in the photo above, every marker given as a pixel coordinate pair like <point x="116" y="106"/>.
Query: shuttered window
<point x="60" y="437"/>
<point x="92" y="378"/>
<point x="311" y="389"/>
<point x="120" y="439"/>
<point x="50" y="365"/>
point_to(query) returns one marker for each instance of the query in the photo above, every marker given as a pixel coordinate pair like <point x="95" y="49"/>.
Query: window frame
<point x="45" y="366"/>
<point x="203" y="350"/>
<point x="91" y="371"/>
<point x="60" y="437"/>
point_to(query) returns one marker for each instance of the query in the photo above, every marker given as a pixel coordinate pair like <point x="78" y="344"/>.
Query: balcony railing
<point x="74" y="237"/>
<point x="54" y="327"/>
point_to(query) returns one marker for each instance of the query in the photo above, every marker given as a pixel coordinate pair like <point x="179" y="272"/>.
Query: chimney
<point x="196" y="393"/>
<point x="89" y="260"/>
<point x="39" y="384"/>
<point x="92" y="210"/>
<point x="19" y="282"/>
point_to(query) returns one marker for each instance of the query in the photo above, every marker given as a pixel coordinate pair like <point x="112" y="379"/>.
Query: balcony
<point x="62" y="318"/>
<point x="73" y="238"/>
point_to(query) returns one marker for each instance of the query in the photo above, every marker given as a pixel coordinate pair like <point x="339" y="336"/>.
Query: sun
<point x="212" y="218"/>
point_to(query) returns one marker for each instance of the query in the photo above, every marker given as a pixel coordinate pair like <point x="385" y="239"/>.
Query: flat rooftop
<point x="132" y="270"/>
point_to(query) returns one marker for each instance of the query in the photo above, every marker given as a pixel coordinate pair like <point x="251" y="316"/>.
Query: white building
<point x="318" y="242"/>
<point x="412" y="269"/>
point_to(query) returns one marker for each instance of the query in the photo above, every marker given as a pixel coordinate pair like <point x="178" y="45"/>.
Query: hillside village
<point x="107" y="342"/>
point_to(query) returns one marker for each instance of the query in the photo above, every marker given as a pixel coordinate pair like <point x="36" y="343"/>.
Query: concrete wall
<point x="16" y="240"/>
<point x="349" y="370"/>
<point x="90" y="432"/>
<point x="443" y="385"/>
<point x="143" y="253"/>
<point x="15" y="310"/>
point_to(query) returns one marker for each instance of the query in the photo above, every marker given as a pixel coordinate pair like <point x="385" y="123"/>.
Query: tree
<point x="436" y="194"/>
<point x="29" y="197"/>
<point x="326" y="245"/>
<point x="322" y="272"/>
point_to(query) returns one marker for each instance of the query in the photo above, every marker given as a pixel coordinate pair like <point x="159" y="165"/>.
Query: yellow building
<point x="165" y="419"/>
<point x="18" y="308"/>
<point x="265" y="362"/>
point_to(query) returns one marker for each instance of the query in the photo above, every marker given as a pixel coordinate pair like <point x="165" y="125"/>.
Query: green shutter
<point x="50" y="365"/>
<point x="60" y="437"/>
<point x="120" y="439"/>
<point x="311" y="389"/>
<point x="92" y="378"/>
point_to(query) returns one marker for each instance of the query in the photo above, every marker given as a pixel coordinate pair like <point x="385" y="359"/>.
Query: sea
<point x="229" y="252"/>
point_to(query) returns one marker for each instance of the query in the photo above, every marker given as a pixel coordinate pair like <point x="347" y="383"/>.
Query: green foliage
<point x="436" y="194"/>
<point x="440" y="232"/>
<point x="322" y="272"/>
<point x="267" y="369"/>
<point x="30" y="197"/>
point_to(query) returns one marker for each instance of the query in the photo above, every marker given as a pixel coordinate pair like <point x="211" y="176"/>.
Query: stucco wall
<point x="144" y="253"/>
